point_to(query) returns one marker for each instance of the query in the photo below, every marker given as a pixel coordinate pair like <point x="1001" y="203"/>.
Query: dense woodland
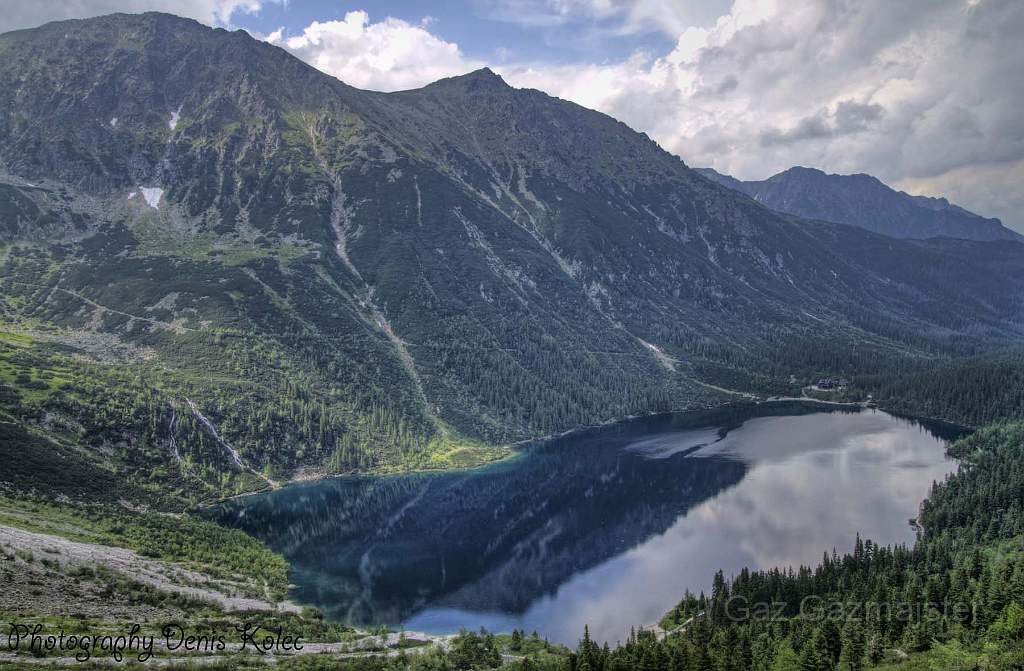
<point x="957" y="386"/>
<point x="138" y="422"/>
<point x="974" y="392"/>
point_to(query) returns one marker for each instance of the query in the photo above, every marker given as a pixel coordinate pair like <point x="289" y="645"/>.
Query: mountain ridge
<point x="864" y="200"/>
<point x="346" y="280"/>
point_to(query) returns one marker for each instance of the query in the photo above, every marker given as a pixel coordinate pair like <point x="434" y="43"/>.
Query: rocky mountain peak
<point x="467" y="258"/>
<point x="482" y="79"/>
<point x="482" y="75"/>
<point x="865" y="201"/>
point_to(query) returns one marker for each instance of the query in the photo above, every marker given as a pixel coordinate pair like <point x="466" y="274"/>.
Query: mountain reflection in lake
<point x="605" y="528"/>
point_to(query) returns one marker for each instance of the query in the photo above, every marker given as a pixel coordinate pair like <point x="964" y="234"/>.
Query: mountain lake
<point x="605" y="527"/>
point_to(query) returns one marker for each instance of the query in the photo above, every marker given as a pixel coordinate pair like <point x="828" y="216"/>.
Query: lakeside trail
<point x="661" y="634"/>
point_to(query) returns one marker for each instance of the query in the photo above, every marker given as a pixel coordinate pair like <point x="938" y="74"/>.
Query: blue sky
<point x="924" y="94"/>
<point x="488" y="32"/>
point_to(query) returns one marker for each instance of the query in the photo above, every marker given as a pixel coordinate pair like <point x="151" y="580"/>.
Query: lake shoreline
<point x="598" y="513"/>
<point x="515" y="449"/>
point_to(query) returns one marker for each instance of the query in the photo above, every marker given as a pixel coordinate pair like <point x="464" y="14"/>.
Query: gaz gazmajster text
<point x="37" y="639"/>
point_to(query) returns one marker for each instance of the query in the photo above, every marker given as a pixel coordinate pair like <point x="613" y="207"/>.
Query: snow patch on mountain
<point x="152" y="194"/>
<point x="175" y="116"/>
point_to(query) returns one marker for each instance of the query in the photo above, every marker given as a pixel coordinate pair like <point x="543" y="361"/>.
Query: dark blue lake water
<point x="605" y="528"/>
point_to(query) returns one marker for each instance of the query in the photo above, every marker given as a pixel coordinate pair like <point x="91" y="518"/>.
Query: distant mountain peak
<point x="482" y="73"/>
<point x="802" y="169"/>
<point x="865" y="201"/>
<point x="464" y="259"/>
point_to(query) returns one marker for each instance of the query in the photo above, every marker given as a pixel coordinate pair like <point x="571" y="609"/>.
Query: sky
<point x="924" y="94"/>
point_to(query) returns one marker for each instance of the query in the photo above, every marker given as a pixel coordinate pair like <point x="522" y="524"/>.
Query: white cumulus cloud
<point x="925" y="94"/>
<point x="388" y="55"/>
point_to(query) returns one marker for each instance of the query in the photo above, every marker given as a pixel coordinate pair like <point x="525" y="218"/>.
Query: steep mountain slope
<point x="293" y="273"/>
<point x="862" y="200"/>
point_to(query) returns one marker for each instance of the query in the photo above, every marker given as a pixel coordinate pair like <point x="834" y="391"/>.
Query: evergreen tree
<point x="854" y="648"/>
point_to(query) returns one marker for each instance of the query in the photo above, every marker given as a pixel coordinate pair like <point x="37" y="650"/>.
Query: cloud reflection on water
<point x="813" y="481"/>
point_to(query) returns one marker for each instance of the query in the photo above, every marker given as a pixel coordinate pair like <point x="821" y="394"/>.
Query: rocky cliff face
<point x="864" y="201"/>
<point x="378" y="277"/>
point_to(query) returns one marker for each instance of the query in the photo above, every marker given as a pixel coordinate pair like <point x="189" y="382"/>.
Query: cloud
<point x="913" y="92"/>
<point x="388" y="55"/>
<point x="848" y="117"/>
<point x="17" y="15"/>
<point x="992" y="189"/>
<point x="924" y="94"/>
<point x="627" y="16"/>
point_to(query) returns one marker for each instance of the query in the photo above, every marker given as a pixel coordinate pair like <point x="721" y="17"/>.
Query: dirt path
<point x="178" y="328"/>
<point x="162" y="576"/>
<point x="16" y="543"/>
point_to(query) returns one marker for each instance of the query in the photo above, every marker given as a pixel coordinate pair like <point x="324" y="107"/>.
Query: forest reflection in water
<point x="606" y="527"/>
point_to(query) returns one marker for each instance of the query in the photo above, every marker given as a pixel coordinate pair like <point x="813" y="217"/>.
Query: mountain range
<point x="215" y="258"/>
<point x="863" y="200"/>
